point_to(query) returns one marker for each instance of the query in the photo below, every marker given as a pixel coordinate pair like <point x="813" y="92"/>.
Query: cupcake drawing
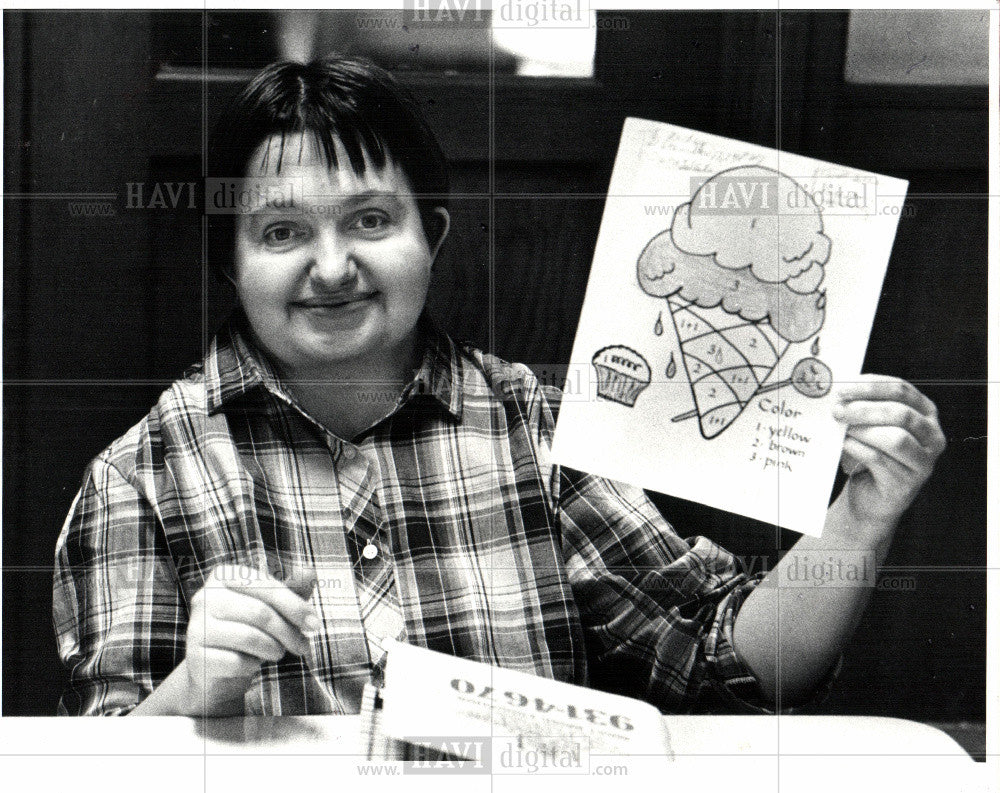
<point x="622" y="374"/>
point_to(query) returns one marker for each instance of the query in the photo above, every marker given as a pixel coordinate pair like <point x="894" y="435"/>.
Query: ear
<point x="444" y="223"/>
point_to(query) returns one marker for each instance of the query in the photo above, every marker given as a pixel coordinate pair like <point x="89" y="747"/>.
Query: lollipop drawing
<point x="742" y="282"/>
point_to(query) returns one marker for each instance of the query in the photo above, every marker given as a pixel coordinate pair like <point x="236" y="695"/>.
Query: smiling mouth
<point x="339" y="301"/>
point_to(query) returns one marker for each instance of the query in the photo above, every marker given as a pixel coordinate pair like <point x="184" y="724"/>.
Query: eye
<point x="371" y="220"/>
<point x="281" y="235"/>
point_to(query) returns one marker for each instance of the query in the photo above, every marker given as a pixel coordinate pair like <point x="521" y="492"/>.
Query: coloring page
<point x="733" y="287"/>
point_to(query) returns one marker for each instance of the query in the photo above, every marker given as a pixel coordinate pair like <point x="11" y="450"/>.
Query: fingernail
<point x="838" y="412"/>
<point x="312" y="622"/>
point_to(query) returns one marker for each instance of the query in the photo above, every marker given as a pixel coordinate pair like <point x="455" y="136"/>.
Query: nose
<point x="332" y="263"/>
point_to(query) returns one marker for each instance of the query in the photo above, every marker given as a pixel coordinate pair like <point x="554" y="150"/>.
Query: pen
<point x="303" y="583"/>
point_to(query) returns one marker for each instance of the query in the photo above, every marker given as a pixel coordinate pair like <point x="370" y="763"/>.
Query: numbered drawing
<point x="746" y="299"/>
<point x="740" y="268"/>
<point x="622" y="374"/>
<point x="810" y="377"/>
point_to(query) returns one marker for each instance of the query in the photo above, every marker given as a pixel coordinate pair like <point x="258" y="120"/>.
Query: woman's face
<point x="331" y="268"/>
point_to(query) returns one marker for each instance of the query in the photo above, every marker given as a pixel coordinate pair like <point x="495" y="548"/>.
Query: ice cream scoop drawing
<point x="741" y="268"/>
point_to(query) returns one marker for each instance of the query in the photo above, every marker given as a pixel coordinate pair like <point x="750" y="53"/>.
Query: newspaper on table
<point x="495" y="716"/>
<point x="733" y="286"/>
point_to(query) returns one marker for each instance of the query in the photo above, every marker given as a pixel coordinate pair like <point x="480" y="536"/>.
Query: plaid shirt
<point x="486" y="549"/>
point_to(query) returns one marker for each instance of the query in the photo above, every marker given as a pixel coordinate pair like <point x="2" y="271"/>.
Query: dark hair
<point x="350" y="99"/>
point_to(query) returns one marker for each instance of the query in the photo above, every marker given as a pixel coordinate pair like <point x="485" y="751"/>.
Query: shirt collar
<point x="234" y="367"/>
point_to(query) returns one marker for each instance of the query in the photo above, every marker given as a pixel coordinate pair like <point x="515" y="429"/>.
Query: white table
<point x="802" y="753"/>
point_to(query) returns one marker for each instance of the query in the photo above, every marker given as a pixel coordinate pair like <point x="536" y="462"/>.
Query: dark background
<point x="101" y="313"/>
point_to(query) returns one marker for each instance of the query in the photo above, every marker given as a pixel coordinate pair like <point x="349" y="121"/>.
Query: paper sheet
<point x="432" y="699"/>
<point x="733" y="286"/>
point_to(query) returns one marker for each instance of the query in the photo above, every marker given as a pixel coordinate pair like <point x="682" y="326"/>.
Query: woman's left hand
<point x="893" y="440"/>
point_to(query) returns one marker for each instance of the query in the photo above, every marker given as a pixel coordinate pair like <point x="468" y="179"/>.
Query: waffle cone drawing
<point x="727" y="359"/>
<point x="742" y="285"/>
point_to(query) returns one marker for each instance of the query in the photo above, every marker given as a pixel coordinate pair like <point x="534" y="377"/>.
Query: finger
<point x="872" y="460"/>
<point x="894" y="444"/>
<point x="301" y="581"/>
<point x="866" y="413"/>
<point x="217" y="662"/>
<point x="266" y="588"/>
<point x="875" y="387"/>
<point x="238" y="607"/>
<point x="242" y="638"/>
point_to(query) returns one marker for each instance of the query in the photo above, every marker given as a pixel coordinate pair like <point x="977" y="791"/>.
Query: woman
<point x="338" y="472"/>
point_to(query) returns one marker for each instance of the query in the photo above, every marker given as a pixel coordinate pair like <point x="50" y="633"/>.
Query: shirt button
<point x="348" y="453"/>
<point x="370" y="551"/>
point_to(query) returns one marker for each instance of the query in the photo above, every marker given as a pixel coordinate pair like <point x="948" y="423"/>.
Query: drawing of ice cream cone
<point x="727" y="360"/>
<point x="741" y="287"/>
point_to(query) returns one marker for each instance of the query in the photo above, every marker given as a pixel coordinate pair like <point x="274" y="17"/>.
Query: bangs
<point x="356" y="103"/>
<point x="363" y="144"/>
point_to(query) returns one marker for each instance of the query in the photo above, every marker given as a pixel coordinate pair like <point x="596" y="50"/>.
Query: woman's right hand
<point x="240" y="618"/>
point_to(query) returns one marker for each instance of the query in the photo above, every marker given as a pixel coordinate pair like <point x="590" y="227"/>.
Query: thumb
<point x="301" y="581"/>
<point x="850" y="464"/>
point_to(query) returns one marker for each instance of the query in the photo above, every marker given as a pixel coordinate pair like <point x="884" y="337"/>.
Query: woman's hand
<point x="893" y="440"/>
<point x="240" y="618"/>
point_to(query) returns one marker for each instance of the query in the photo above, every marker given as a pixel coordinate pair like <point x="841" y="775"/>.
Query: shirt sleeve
<point x="657" y="610"/>
<point x="118" y="611"/>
